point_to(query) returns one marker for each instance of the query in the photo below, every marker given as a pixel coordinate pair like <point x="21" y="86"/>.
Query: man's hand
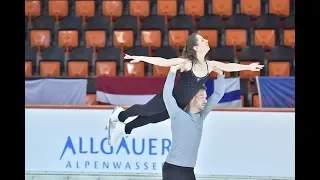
<point x="255" y="67"/>
<point x="175" y="68"/>
<point x="219" y="71"/>
<point x="135" y="59"/>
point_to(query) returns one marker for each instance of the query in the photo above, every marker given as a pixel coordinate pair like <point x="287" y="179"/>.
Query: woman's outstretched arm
<point x="159" y="61"/>
<point x="231" y="67"/>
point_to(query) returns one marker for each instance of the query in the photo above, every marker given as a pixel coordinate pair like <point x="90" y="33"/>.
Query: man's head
<point x="196" y="46"/>
<point x="198" y="101"/>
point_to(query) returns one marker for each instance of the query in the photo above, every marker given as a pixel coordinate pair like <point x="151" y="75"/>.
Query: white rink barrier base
<point x="69" y="144"/>
<point x="109" y="176"/>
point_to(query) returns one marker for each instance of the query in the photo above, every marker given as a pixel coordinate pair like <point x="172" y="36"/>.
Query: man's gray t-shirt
<point x="187" y="127"/>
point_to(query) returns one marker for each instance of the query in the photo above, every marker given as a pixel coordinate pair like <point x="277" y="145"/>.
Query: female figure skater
<point x="194" y="70"/>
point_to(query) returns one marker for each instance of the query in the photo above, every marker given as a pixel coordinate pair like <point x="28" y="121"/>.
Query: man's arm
<point x="219" y="89"/>
<point x="170" y="102"/>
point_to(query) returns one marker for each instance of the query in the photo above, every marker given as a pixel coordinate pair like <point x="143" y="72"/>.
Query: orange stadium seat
<point x="106" y="62"/>
<point x="279" y="7"/>
<point x="210" y="28"/>
<point x="139" y="8"/>
<point x="177" y="38"/>
<point x="30" y="57"/>
<point x="266" y="31"/>
<point x="167" y="8"/>
<point x="106" y="68"/>
<point x="69" y="39"/>
<point x="279" y="68"/>
<point x="124" y="31"/>
<point x="280" y="61"/>
<point x="96" y="32"/>
<point x="151" y="38"/>
<point x="58" y="9"/>
<point x="80" y="61"/>
<point x="40" y="38"/>
<point x="166" y="52"/>
<point x="112" y="9"/>
<point x="252" y="8"/>
<point x="32" y="9"/>
<point x="52" y="60"/>
<point x="289" y="37"/>
<point x="256" y="100"/>
<point x="179" y="29"/>
<point x="222" y="8"/>
<point x="123" y="39"/>
<point x="135" y="69"/>
<point x="69" y="32"/>
<point x="211" y="35"/>
<point x="42" y="32"/>
<point x="195" y="8"/>
<point x="96" y="39"/>
<point x="152" y="32"/>
<point x="85" y="9"/>
<point x="237" y="31"/>
<point x="223" y="54"/>
<point x="289" y="32"/>
<point x="248" y="55"/>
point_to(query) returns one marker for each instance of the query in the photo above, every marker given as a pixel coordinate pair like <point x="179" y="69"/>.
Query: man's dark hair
<point x="203" y="87"/>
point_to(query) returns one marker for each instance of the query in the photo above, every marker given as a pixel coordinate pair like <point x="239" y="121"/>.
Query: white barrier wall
<point x="233" y="143"/>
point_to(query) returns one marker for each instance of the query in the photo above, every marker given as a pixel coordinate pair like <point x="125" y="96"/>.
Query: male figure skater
<point x="186" y="127"/>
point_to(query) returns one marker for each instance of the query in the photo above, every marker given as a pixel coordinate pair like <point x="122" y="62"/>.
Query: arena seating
<point x="87" y="38"/>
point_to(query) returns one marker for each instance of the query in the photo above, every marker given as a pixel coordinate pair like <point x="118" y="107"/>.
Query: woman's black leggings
<point x="141" y="120"/>
<point x="153" y="111"/>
